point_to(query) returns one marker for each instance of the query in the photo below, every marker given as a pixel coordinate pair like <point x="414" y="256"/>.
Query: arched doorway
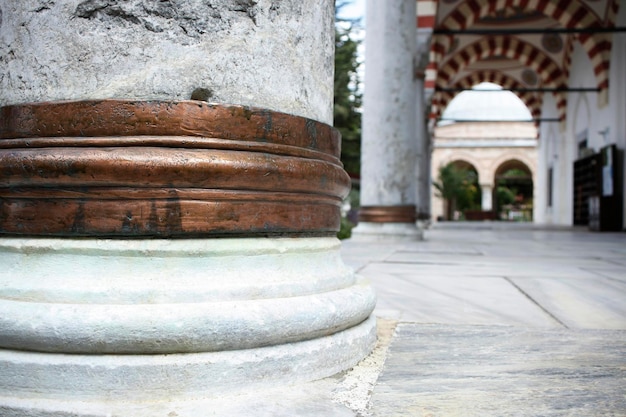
<point x="513" y="193"/>
<point x="457" y="185"/>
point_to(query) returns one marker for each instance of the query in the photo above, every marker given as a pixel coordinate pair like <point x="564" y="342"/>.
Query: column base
<point x="46" y="385"/>
<point x="423" y="220"/>
<point x="102" y="327"/>
<point x="370" y="231"/>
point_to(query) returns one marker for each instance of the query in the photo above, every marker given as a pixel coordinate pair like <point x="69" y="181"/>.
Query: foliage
<point x="347" y="100"/>
<point x="345" y="230"/>
<point x="347" y="106"/>
<point x="515" y="173"/>
<point x="458" y="187"/>
<point x="504" y="196"/>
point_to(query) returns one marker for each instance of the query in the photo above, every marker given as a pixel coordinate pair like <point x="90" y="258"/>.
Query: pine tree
<point x="347" y="103"/>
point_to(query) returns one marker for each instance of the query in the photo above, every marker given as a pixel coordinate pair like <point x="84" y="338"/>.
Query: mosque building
<point x="564" y="60"/>
<point x="489" y="133"/>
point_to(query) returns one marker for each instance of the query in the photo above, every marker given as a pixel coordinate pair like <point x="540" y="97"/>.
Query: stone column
<point x="487" y="197"/>
<point x="389" y="142"/>
<point x="424" y="180"/>
<point x="160" y="248"/>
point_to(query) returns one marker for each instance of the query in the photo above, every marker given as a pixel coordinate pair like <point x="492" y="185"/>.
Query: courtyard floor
<point x="481" y="319"/>
<point x="493" y="319"/>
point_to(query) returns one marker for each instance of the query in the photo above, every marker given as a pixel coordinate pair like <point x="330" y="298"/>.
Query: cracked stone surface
<point x="435" y="370"/>
<point x="249" y="52"/>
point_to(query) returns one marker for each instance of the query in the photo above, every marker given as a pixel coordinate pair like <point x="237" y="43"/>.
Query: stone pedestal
<point x="389" y="145"/>
<point x="103" y="327"/>
<point x="160" y="253"/>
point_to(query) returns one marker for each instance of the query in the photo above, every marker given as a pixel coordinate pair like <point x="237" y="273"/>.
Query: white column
<point x="487" y="197"/>
<point x="129" y="325"/>
<point x="424" y="160"/>
<point x="389" y="143"/>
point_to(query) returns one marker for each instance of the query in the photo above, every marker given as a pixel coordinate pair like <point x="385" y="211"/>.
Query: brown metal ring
<point x="388" y="214"/>
<point x="269" y="173"/>
<point x="110" y="118"/>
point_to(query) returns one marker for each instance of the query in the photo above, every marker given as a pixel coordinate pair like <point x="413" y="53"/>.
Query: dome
<point x="486" y="105"/>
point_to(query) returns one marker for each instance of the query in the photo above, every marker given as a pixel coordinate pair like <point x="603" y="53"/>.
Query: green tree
<point x="457" y="186"/>
<point x="347" y="100"/>
<point x="347" y="103"/>
<point x="448" y="184"/>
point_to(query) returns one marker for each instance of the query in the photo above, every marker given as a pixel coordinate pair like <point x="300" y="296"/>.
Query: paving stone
<point x="435" y="370"/>
<point x="438" y="298"/>
<point x="596" y="303"/>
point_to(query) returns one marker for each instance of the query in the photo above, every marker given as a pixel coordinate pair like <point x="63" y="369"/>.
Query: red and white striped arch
<point x="569" y="13"/>
<point x="426" y="19"/>
<point x="527" y="54"/>
<point x="426" y="14"/>
<point x="532" y="100"/>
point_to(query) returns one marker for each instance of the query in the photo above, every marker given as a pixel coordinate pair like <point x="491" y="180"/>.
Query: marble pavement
<point x="494" y="319"/>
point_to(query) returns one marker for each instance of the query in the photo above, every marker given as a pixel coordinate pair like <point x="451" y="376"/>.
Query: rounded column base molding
<point x="388" y="214"/>
<point x="97" y="327"/>
<point x="50" y="385"/>
<point x="160" y="296"/>
<point x="401" y="232"/>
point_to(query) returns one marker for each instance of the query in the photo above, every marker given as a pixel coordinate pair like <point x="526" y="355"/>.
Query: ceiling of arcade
<point x="522" y="45"/>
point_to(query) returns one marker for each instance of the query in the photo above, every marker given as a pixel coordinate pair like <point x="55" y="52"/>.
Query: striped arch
<point x="567" y="59"/>
<point x="531" y="100"/>
<point x="426" y="11"/>
<point x="426" y="19"/>
<point x="438" y="49"/>
<point x="570" y="14"/>
<point x="549" y="72"/>
<point x="612" y="13"/>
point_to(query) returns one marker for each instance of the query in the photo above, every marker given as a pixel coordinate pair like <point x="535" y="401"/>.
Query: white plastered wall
<point x="550" y="143"/>
<point x="547" y="158"/>
<point x="558" y="148"/>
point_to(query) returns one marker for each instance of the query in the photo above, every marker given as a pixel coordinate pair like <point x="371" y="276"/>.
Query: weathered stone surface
<point x="183" y="385"/>
<point x="249" y="52"/>
<point x="162" y="296"/>
<point x="149" y="327"/>
<point x="435" y="370"/>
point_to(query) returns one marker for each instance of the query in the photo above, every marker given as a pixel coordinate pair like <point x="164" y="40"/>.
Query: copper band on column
<point x="117" y="168"/>
<point x="387" y="214"/>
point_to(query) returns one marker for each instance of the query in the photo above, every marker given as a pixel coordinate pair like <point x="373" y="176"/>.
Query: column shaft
<point x="424" y="159"/>
<point x="487" y="197"/>
<point x="389" y="143"/>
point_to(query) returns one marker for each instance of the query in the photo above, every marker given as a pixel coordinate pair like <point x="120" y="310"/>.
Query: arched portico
<point x="514" y="190"/>
<point x="486" y="146"/>
<point x="546" y="52"/>
<point x="457" y="185"/>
